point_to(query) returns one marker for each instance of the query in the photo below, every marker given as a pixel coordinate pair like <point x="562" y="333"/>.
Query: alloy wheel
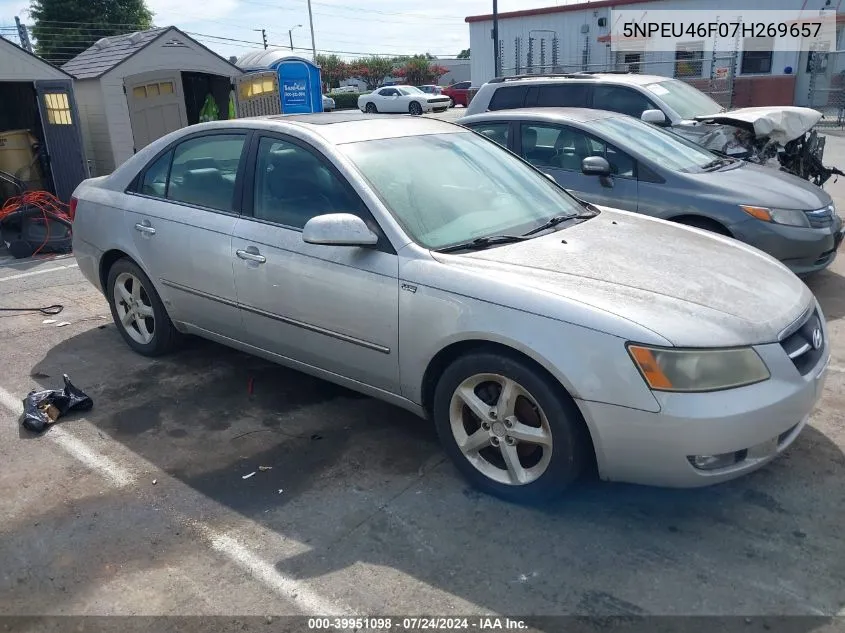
<point x="134" y="308"/>
<point x="501" y="429"/>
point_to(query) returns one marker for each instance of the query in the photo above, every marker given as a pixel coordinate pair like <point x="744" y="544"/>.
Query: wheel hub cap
<point x="498" y="429"/>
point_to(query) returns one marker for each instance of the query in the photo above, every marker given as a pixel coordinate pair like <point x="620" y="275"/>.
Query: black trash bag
<point x="42" y="408"/>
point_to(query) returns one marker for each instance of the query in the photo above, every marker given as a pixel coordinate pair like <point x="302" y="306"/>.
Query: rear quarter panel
<point x="99" y="226"/>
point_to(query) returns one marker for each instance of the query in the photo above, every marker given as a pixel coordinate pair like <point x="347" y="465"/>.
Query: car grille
<point x="801" y="347"/>
<point x="439" y="100"/>
<point x="820" y="218"/>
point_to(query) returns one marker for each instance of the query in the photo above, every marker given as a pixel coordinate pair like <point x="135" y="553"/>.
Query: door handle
<point x="251" y="257"/>
<point x="146" y="229"/>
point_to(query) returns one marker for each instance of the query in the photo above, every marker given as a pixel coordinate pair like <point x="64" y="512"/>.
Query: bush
<point x="346" y="100"/>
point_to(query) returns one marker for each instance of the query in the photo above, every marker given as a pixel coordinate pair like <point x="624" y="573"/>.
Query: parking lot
<point x="209" y="482"/>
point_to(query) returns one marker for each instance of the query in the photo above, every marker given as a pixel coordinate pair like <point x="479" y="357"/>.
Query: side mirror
<point x="654" y="116"/>
<point x="338" y="229"/>
<point x="595" y="166"/>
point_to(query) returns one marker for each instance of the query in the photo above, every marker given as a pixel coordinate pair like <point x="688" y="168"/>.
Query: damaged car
<point x="782" y="136"/>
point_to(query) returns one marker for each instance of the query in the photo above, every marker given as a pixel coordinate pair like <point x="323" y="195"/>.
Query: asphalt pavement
<point x="210" y="482"/>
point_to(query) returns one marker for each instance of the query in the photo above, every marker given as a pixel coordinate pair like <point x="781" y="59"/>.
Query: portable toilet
<point x="277" y="83"/>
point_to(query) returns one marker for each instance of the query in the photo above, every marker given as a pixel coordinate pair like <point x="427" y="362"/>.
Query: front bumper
<point x="802" y="250"/>
<point x="757" y="422"/>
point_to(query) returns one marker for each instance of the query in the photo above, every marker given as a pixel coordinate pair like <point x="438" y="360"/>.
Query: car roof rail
<point x="604" y="72"/>
<point x="498" y="80"/>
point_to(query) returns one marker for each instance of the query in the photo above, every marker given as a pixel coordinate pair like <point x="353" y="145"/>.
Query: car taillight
<point x="72" y="211"/>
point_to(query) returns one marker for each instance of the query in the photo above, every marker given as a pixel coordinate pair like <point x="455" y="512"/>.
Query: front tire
<point x="415" y="108"/>
<point x="137" y="310"/>
<point x="371" y="108"/>
<point x="510" y="429"/>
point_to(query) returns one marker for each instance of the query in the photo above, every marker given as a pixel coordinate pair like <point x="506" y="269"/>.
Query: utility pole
<point x="311" y="22"/>
<point x="23" y="35"/>
<point x="263" y="36"/>
<point x="496" y="65"/>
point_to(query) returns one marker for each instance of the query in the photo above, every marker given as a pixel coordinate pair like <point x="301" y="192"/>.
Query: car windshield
<point x="410" y="90"/>
<point x="650" y="142"/>
<point x="687" y="101"/>
<point x="447" y="189"/>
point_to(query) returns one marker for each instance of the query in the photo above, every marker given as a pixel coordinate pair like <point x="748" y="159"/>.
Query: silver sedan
<point x="420" y="263"/>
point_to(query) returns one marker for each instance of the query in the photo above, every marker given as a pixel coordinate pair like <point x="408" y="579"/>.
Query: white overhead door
<point x="156" y="106"/>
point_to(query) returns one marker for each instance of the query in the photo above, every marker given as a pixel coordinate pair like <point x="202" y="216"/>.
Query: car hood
<point x="765" y="186"/>
<point x="693" y="288"/>
<point x="781" y="124"/>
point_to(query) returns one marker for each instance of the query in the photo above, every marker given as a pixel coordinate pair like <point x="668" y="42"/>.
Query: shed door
<point x="156" y="106"/>
<point x="62" y="136"/>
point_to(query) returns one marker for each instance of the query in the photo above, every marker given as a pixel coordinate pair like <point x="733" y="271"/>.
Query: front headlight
<point x="789" y="217"/>
<point x="698" y="369"/>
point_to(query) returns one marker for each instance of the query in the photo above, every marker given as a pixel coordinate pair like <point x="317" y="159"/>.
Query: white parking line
<point x="268" y="575"/>
<point x="106" y="467"/>
<point x="839" y="370"/>
<point x="39" y="272"/>
<point x="291" y="589"/>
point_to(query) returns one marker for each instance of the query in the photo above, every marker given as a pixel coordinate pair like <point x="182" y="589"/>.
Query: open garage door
<point x="62" y="136"/>
<point x="156" y="106"/>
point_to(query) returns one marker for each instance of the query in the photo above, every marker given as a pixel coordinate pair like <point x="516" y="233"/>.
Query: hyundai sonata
<point x="416" y="261"/>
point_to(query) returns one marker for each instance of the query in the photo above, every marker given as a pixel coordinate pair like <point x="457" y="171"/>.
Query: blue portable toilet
<point x="278" y="83"/>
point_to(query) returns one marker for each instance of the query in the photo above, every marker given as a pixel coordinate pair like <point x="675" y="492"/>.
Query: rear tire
<point x="137" y="310"/>
<point x="415" y="108"/>
<point x="371" y="108"/>
<point x="527" y="447"/>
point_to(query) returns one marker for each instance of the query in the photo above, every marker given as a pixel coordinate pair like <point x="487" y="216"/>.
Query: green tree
<point x="372" y="70"/>
<point x="419" y="70"/>
<point x="332" y="69"/>
<point x="64" y="28"/>
<point x="464" y="54"/>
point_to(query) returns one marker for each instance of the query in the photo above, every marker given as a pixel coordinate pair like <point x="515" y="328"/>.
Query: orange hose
<point x="49" y="205"/>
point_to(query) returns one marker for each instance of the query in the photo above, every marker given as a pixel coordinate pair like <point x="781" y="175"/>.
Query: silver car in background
<point x="619" y="161"/>
<point x="538" y="333"/>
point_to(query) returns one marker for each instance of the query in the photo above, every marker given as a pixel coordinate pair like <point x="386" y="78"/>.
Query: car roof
<point x="576" y="115"/>
<point x="344" y="126"/>
<point x="617" y="78"/>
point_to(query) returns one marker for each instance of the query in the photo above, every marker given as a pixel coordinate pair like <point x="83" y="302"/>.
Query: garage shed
<point x="40" y="138"/>
<point x="133" y="89"/>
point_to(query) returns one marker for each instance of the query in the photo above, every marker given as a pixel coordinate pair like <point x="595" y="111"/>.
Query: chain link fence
<point x="541" y="51"/>
<point x="713" y="75"/>
<point x="825" y="85"/>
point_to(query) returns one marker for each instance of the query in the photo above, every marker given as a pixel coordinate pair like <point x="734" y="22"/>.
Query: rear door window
<point x="154" y="181"/>
<point x="621" y="99"/>
<point x="566" y="95"/>
<point x="204" y="171"/>
<point x="497" y="132"/>
<point x="509" y="97"/>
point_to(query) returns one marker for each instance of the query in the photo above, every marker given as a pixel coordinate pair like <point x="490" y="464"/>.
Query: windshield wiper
<point x="717" y="163"/>
<point x="559" y="219"/>
<point x="482" y="242"/>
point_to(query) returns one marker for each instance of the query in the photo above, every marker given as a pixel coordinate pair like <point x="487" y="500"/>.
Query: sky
<point x="399" y="27"/>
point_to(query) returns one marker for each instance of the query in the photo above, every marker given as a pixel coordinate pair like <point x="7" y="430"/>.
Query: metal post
<point x="311" y="22"/>
<point x="496" y="65"/>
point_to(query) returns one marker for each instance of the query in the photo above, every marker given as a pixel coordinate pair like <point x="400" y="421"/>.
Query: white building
<point x="575" y="37"/>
